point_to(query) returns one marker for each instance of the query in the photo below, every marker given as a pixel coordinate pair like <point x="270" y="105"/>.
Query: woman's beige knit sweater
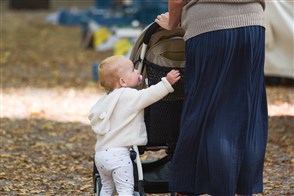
<point x="201" y="16"/>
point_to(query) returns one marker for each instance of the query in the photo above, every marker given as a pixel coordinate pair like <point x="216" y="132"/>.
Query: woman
<point x="224" y="117"/>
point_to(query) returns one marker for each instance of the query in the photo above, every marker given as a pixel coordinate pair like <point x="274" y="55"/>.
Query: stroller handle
<point x="149" y="31"/>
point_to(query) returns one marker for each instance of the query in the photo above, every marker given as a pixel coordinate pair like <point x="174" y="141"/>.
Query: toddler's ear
<point x="122" y="82"/>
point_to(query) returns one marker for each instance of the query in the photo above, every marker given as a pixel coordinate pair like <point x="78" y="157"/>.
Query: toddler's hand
<point x="173" y="76"/>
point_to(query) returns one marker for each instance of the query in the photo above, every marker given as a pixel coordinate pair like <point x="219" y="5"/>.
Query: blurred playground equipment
<point x="114" y="12"/>
<point x="116" y="24"/>
<point x="112" y="24"/>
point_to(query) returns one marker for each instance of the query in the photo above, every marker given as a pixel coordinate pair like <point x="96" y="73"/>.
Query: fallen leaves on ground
<point x="46" y="157"/>
<point x="42" y="157"/>
<point x="46" y="83"/>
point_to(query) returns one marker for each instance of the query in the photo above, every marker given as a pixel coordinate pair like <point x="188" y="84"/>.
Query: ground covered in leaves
<point x="46" y="92"/>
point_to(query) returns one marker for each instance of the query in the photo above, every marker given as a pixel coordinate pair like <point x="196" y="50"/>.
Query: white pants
<point x="116" y="170"/>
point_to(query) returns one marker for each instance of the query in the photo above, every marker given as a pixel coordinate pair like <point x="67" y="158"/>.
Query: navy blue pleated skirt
<point x="223" y="136"/>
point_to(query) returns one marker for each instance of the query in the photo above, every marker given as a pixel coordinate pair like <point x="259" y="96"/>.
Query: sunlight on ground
<point x="283" y="109"/>
<point x="73" y="105"/>
<point x="64" y="105"/>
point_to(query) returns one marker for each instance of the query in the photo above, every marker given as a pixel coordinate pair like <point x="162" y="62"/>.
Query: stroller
<point x="154" y="54"/>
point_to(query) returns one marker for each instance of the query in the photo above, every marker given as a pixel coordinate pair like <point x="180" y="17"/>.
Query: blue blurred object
<point x="109" y="17"/>
<point x="102" y="4"/>
<point x="71" y="17"/>
<point x="95" y="71"/>
<point x="113" y="12"/>
<point x="149" y="9"/>
<point x="145" y="11"/>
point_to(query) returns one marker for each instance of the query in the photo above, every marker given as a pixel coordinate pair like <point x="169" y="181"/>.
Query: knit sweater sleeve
<point x="140" y="99"/>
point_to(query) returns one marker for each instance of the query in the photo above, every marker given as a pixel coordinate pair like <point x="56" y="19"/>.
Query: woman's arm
<point x="175" y="11"/>
<point x="172" y="18"/>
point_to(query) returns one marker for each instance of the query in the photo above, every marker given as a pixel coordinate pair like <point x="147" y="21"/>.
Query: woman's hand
<point x="163" y="21"/>
<point x="173" y="76"/>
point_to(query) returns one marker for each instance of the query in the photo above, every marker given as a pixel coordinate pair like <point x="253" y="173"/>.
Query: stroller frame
<point x="152" y="176"/>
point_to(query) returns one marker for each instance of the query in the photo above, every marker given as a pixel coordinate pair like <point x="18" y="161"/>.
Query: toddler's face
<point x="131" y="76"/>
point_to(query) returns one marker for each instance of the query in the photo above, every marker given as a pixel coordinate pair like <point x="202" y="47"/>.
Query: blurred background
<point x="50" y="50"/>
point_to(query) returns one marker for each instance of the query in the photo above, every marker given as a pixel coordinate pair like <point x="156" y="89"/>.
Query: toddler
<point x="118" y="120"/>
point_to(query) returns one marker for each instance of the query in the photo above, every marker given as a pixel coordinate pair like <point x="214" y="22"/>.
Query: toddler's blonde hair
<point x="109" y="71"/>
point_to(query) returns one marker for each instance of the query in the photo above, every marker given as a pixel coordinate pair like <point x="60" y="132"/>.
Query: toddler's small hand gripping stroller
<point x="154" y="54"/>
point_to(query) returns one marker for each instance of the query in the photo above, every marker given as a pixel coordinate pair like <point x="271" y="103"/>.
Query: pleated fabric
<point x="224" y="123"/>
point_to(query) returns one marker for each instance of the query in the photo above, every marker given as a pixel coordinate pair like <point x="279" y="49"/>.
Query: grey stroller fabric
<point x="165" y="48"/>
<point x="165" y="51"/>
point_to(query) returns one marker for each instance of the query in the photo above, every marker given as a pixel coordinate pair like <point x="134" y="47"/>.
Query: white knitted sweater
<point x="118" y="117"/>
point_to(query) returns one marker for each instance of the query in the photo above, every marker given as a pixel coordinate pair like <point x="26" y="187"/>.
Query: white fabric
<point x="118" y="118"/>
<point x="102" y="111"/>
<point x="116" y="171"/>
<point x="279" y="39"/>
